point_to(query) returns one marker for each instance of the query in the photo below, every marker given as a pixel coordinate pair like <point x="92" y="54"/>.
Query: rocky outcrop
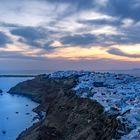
<point x="69" y="117"/>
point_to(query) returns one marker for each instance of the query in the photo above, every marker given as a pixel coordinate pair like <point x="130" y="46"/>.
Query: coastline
<point x="16" y="76"/>
<point x="60" y="92"/>
<point x="60" y="100"/>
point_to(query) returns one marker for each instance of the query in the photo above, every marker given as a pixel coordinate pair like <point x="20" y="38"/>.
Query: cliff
<point x="69" y="117"/>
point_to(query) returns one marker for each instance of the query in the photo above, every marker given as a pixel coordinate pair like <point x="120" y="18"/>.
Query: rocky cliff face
<point x="69" y="117"/>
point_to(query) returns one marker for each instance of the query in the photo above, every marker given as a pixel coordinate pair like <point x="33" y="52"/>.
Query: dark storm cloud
<point x="118" y="52"/>
<point x="103" y="40"/>
<point x="118" y="8"/>
<point x="131" y="35"/>
<point x="123" y="8"/>
<point x="33" y="36"/>
<point x="123" y="39"/>
<point x="29" y="33"/>
<point x="111" y="14"/>
<point x="127" y="36"/>
<point x="4" y="39"/>
<point x="83" y="40"/>
<point x="100" y="22"/>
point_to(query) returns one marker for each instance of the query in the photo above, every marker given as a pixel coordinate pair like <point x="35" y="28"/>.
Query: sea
<point x="15" y="111"/>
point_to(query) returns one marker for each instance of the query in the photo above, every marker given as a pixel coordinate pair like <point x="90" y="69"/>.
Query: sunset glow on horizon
<point x="52" y="33"/>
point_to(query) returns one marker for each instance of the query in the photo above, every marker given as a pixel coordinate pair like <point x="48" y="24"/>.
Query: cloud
<point x="80" y="40"/>
<point x="100" y="22"/>
<point x="88" y="40"/>
<point x="19" y="55"/>
<point x="80" y="4"/>
<point x="118" y="52"/>
<point x="123" y="39"/>
<point x="123" y="8"/>
<point x="42" y="27"/>
<point x="117" y="8"/>
<point x="33" y="36"/>
<point x="4" y="39"/>
<point x="29" y="33"/>
<point x="104" y="20"/>
<point x="7" y="25"/>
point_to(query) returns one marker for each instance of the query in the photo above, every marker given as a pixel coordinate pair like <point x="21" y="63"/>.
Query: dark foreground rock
<point x="68" y="116"/>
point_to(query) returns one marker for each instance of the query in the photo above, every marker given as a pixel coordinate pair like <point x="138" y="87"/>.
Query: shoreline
<point x="58" y="95"/>
<point x="46" y="88"/>
<point x="36" y="109"/>
<point x="16" y="76"/>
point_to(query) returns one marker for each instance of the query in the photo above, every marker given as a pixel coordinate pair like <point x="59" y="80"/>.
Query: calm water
<point x="10" y="121"/>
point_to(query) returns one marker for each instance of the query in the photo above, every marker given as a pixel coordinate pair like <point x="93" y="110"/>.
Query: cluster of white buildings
<point x="116" y="92"/>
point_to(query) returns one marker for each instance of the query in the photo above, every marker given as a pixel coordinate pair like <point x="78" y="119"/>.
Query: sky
<point x="69" y="34"/>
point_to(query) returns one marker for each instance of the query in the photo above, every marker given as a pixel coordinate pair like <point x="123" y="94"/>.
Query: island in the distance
<point x="83" y="106"/>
